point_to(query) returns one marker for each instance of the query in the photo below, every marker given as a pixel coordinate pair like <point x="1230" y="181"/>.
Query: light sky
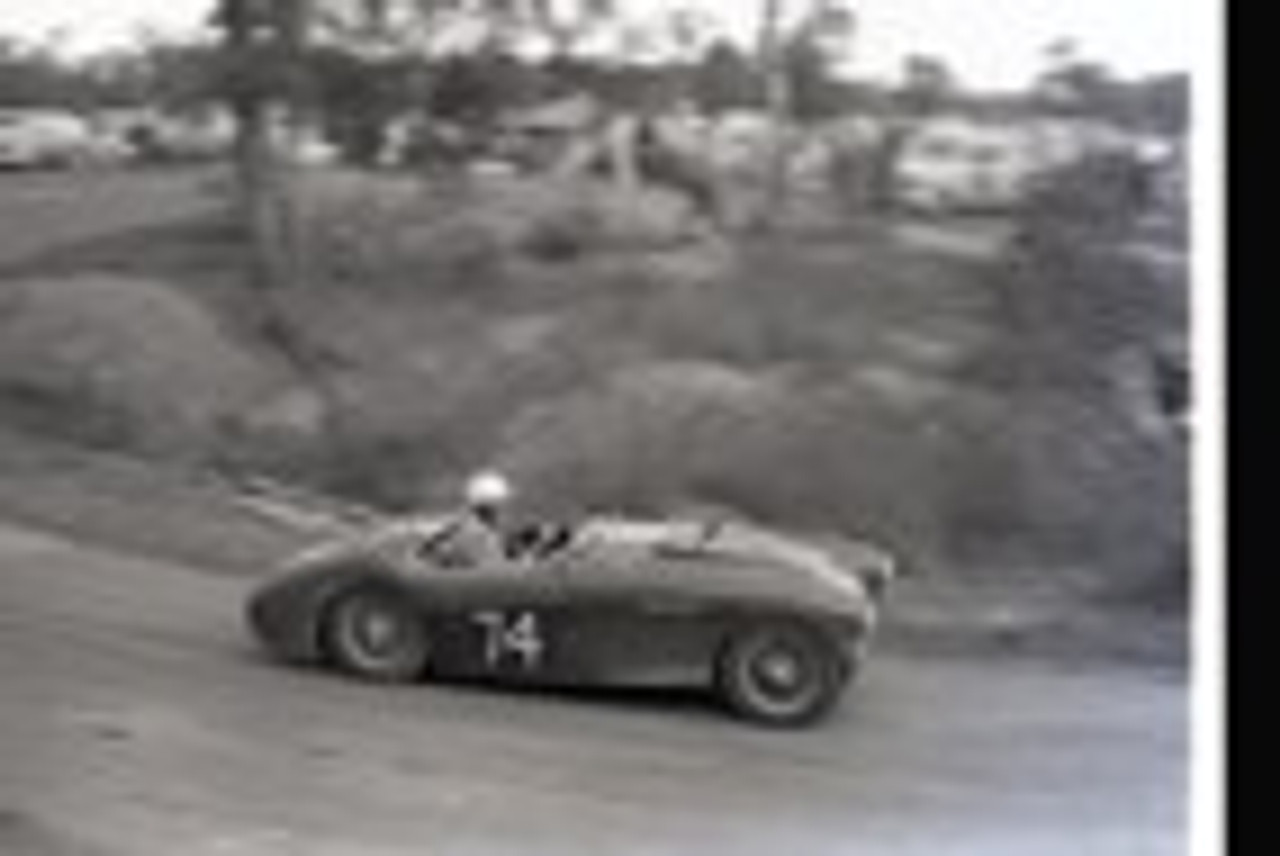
<point x="990" y="43"/>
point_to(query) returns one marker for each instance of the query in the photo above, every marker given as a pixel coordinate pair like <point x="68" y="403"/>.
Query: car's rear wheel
<point x="372" y="634"/>
<point x="781" y="674"/>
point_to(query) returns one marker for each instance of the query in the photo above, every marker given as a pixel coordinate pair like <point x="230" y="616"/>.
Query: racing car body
<point x="776" y="627"/>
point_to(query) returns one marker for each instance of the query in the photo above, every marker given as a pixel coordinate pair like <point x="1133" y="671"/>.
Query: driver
<point x="476" y="537"/>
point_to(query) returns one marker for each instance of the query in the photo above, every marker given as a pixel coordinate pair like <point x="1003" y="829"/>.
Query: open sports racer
<point x="776" y="627"/>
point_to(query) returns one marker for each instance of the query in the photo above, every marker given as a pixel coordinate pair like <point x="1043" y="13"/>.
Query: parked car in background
<point x="183" y="138"/>
<point x="117" y="131"/>
<point x="35" y="138"/>
<point x="951" y="167"/>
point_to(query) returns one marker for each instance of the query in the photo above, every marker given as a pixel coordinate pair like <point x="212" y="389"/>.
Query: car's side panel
<point x="633" y="620"/>
<point x="502" y="622"/>
<point x="641" y="642"/>
<point x="633" y="642"/>
<point x="587" y="618"/>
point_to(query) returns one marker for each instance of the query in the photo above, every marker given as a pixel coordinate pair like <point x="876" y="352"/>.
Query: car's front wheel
<point x="781" y="674"/>
<point x="374" y="635"/>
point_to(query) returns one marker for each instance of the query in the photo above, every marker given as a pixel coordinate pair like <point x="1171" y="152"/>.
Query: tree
<point x="1073" y="84"/>
<point x="821" y="42"/>
<point x="153" y="72"/>
<point x="772" y="41"/>
<point x="928" y="83"/>
<point x="357" y="97"/>
<point x="262" y="49"/>
<point x="473" y="89"/>
<point x="33" y="75"/>
<point x="726" y="78"/>
<point x="172" y="75"/>
<point x="814" y="94"/>
<point x="796" y="66"/>
<point x="1162" y="103"/>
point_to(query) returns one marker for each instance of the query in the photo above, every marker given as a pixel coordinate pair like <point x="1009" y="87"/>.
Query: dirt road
<point x="136" y="719"/>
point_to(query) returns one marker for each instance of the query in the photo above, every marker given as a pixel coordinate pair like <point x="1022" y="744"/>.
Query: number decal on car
<point x="511" y="634"/>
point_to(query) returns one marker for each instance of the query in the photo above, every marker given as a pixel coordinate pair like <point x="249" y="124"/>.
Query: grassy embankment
<point x="855" y="384"/>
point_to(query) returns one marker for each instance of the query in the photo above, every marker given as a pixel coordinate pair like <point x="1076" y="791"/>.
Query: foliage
<point x="1073" y="300"/>
<point x="1099" y="198"/>
<point x="726" y="79"/>
<point x="474" y="89"/>
<point x="1074" y="84"/>
<point x="928" y="83"/>
<point x="1099" y="476"/>
<point x="356" y="99"/>
<point x="122" y="361"/>
<point x="814" y="93"/>
<point x="822" y="386"/>
<point x="34" y="76"/>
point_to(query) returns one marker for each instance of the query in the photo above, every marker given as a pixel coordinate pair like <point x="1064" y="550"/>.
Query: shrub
<point x="1101" y="195"/>
<point x="1088" y="485"/>
<point x="369" y="239"/>
<point x="127" y="360"/>
<point x="835" y="458"/>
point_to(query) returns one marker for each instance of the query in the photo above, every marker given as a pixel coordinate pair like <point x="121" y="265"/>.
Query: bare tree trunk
<point x="259" y="194"/>
<point x="265" y="192"/>
<point x="779" y="106"/>
<point x="252" y="155"/>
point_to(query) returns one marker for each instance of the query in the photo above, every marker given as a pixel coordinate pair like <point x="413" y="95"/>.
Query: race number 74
<point x="511" y="634"/>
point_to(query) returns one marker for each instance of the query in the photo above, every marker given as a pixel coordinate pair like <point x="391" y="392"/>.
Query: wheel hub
<point x="780" y="672"/>
<point x="378" y="632"/>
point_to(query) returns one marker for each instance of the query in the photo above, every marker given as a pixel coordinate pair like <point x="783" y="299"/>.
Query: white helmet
<point x="488" y="490"/>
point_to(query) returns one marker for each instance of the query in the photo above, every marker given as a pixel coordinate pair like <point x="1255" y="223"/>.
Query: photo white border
<point x="1208" y="320"/>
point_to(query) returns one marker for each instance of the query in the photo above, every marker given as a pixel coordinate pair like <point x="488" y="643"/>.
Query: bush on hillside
<point x="1094" y="486"/>
<point x="838" y="458"/>
<point x="365" y="240"/>
<point x="382" y="232"/>
<point x="122" y="362"/>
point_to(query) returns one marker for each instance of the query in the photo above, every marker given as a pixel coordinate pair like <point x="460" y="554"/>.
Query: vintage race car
<point x="776" y="627"/>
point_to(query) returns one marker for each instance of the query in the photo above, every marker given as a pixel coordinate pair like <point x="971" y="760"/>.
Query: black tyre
<point x="781" y="674"/>
<point x="374" y="635"/>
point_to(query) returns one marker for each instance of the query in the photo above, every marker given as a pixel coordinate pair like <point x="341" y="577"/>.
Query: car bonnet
<point x="796" y="556"/>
